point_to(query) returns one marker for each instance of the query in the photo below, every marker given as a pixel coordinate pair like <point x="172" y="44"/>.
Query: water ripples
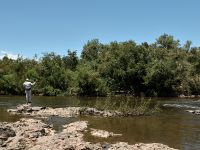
<point x="195" y="105"/>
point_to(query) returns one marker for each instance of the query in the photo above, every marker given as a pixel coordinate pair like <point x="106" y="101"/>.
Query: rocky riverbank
<point x="66" y="112"/>
<point x="34" y="134"/>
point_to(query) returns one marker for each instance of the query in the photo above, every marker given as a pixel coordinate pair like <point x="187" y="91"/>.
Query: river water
<point x="172" y="126"/>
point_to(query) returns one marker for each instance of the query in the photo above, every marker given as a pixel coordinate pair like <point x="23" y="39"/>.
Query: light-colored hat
<point x="27" y="79"/>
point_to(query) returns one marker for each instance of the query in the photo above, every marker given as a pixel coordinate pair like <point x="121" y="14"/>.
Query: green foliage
<point x="50" y="91"/>
<point x="89" y="82"/>
<point x="163" y="68"/>
<point x="167" y="41"/>
<point x="91" y="50"/>
<point x="71" y="60"/>
<point x="133" y="106"/>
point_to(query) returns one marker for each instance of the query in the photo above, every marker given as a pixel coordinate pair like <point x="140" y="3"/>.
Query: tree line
<point x="163" y="68"/>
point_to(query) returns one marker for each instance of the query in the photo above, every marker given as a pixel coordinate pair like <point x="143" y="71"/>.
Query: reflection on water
<point x="57" y="122"/>
<point x="173" y="126"/>
<point x="5" y="116"/>
<point x="175" y="130"/>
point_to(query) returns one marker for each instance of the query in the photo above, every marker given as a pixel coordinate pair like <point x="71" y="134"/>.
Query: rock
<point x="26" y="131"/>
<point x="108" y="114"/>
<point x="33" y="134"/>
<point x="122" y="146"/>
<point x="12" y="110"/>
<point x="196" y="112"/>
<point x="25" y="109"/>
<point x="105" y="146"/>
<point x="5" y="133"/>
<point x="191" y="111"/>
<point x="70" y="138"/>
<point x="76" y="126"/>
<point x="66" y="112"/>
<point x="61" y="112"/>
<point x="152" y="146"/>
<point x="103" y="133"/>
<point x="140" y="146"/>
<point x="36" y="108"/>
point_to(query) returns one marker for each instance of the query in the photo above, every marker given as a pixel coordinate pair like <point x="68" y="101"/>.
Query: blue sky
<point x="29" y="27"/>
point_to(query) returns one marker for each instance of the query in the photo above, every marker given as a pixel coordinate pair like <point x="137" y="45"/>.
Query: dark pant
<point x="28" y="96"/>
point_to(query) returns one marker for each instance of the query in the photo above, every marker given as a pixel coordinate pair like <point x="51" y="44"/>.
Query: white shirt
<point x="27" y="85"/>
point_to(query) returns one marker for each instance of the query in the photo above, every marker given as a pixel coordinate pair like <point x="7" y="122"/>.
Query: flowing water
<point x="173" y="126"/>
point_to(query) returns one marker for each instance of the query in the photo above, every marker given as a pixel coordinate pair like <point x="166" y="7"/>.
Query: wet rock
<point x="106" y="113"/>
<point x="66" y="112"/>
<point x="12" y="110"/>
<point x="5" y="133"/>
<point x="36" y="108"/>
<point x="79" y="126"/>
<point x="196" y="112"/>
<point x="140" y="146"/>
<point x="122" y="146"/>
<point x="152" y="146"/>
<point x="105" y="146"/>
<point x="62" y="112"/>
<point x="24" y="109"/>
<point x="103" y="133"/>
<point x="70" y="138"/>
<point x="188" y="96"/>
<point x="33" y="134"/>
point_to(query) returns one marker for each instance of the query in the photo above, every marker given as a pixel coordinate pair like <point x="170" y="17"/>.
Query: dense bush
<point x="164" y="68"/>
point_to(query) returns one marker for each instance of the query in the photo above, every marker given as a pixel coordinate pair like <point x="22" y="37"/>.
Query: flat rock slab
<point x="66" y="111"/>
<point x="103" y="133"/>
<point x="26" y="108"/>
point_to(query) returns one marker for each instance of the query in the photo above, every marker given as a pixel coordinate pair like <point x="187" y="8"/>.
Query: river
<point x="173" y="126"/>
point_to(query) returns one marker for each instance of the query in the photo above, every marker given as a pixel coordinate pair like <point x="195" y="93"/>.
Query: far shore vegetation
<point x="163" y="68"/>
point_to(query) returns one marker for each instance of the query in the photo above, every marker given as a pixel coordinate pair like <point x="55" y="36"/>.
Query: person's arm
<point x="33" y="83"/>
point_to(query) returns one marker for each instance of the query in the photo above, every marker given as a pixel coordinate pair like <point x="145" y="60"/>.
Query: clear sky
<point x="29" y="27"/>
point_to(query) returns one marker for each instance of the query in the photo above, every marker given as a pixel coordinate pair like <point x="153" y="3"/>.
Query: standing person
<point x="27" y="86"/>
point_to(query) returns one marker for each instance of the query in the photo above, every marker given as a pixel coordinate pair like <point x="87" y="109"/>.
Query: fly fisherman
<point x="27" y="86"/>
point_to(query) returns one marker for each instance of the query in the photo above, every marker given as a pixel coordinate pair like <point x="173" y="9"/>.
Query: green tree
<point x="91" y="50"/>
<point x="89" y="82"/>
<point x="167" y="41"/>
<point x="71" y="60"/>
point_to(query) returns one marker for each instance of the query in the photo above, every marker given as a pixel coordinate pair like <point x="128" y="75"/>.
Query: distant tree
<point x="167" y="41"/>
<point x="91" y="50"/>
<point x="53" y="75"/>
<point x="71" y="60"/>
<point x="163" y="68"/>
<point x="90" y="82"/>
<point x="187" y="45"/>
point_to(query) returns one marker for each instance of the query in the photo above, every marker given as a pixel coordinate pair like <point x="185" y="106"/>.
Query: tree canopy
<point x="163" y="68"/>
